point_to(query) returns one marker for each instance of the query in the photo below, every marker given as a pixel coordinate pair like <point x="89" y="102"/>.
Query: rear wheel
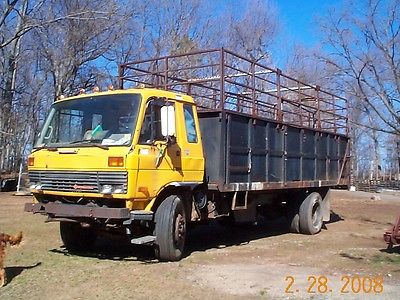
<point x="292" y="214"/>
<point x="294" y="220"/>
<point x="170" y="229"/>
<point x="77" y="238"/>
<point x="310" y="214"/>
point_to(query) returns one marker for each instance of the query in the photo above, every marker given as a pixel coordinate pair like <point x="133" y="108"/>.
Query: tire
<point x="170" y="229"/>
<point x="310" y="214"/>
<point x="294" y="225"/>
<point x="75" y="237"/>
<point x="292" y="215"/>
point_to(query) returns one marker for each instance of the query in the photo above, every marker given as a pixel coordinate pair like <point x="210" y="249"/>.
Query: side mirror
<point x="49" y="132"/>
<point x="168" y="121"/>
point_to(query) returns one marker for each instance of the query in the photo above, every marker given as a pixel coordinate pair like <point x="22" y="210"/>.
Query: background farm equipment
<point x="392" y="237"/>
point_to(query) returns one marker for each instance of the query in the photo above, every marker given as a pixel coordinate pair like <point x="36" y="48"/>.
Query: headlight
<point x="106" y="189"/>
<point x="35" y="186"/>
<point x="112" y="189"/>
<point x="118" y="189"/>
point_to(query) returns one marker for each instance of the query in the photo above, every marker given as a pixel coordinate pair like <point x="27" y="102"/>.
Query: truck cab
<point x="109" y="159"/>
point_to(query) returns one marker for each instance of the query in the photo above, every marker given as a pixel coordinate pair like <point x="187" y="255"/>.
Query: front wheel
<point x="77" y="238"/>
<point x="170" y="229"/>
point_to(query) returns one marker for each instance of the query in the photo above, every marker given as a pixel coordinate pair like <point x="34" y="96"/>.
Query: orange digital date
<point x="350" y="284"/>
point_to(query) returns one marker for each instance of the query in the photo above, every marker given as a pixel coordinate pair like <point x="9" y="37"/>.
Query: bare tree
<point x="24" y="23"/>
<point x="71" y="45"/>
<point x="12" y="24"/>
<point x="364" y="41"/>
<point x="54" y="47"/>
<point x="392" y="159"/>
<point x="253" y="32"/>
<point x="173" y="22"/>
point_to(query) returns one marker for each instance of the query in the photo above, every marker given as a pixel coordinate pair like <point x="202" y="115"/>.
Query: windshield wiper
<point x="44" y="147"/>
<point x="91" y="143"/>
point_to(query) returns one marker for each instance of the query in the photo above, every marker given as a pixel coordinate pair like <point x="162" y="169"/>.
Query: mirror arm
<point x="171" y="140"/>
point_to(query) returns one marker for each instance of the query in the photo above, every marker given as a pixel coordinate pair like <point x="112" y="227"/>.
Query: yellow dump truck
<point x="188" y="138"/>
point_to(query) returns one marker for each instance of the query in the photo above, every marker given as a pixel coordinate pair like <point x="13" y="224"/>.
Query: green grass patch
<point x="386" y="258"/>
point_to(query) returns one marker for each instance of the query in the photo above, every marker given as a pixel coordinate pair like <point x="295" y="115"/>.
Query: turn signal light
<point x="31" y="161"/>
<point x="115" y="161"/>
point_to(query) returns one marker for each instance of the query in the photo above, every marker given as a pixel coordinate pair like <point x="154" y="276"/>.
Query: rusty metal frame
<point x="219" y="79"/>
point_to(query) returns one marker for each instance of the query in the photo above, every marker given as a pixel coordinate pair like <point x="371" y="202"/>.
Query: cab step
<point x="144" y="240"/>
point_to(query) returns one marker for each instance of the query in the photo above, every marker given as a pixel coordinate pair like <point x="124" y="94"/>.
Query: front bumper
<point x="77" y="211"/>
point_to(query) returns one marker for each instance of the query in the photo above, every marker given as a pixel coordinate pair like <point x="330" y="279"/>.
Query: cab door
<point x="190" y="141"/>
<point x="159" y="162"/>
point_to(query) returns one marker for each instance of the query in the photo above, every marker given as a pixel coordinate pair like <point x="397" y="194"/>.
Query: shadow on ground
<point x="392" y="250"/>
<point x="113" y="248"/>
<point x="215" y="235"/>
<point x="201" y="237"/>
<point x="12" y="272"/>
<point x="334" y="218"/>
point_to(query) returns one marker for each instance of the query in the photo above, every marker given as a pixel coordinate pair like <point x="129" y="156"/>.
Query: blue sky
<point x="299" y="25"/>
<point x="298" y="18"/>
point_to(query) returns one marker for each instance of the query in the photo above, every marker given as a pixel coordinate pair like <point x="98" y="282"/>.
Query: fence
<point x="374" y="186"/>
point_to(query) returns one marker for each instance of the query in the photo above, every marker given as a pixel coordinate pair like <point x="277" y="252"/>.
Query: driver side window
<point x="151" y="127"/>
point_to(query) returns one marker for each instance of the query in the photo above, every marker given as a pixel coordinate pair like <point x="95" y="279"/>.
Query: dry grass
<point x="223" y="263"/>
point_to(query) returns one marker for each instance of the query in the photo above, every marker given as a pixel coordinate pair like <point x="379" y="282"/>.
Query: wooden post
<point x="19" y="178"/>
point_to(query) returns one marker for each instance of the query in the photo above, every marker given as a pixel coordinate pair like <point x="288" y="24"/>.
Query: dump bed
<point x="248" y="153"/>
<point x="261" y="129"/>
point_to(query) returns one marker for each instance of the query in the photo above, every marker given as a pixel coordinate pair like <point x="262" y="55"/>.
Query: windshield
<point x="106" y="120"/>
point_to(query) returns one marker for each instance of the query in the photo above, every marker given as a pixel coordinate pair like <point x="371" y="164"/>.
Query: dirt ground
<point x="252" y="261"/>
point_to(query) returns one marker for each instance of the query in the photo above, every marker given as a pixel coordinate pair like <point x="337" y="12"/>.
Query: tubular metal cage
<point x="219" y="79"/>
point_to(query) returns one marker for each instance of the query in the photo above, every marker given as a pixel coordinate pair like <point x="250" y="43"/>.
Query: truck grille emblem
<point x="82" y="187"/>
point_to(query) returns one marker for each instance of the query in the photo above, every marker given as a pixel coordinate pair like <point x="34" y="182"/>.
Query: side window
<point x="190" y="125"/>
<point x="151" y="127"/>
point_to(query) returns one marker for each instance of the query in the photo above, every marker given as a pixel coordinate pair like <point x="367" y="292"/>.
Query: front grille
<point x="67" y="181"/>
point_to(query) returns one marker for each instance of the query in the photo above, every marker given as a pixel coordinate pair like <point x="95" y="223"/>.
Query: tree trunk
<point x="9" y="75"/>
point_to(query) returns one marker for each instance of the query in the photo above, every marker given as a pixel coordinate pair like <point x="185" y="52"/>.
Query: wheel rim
<point x="180" y="231"/>
<point x="316" y="214"/>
